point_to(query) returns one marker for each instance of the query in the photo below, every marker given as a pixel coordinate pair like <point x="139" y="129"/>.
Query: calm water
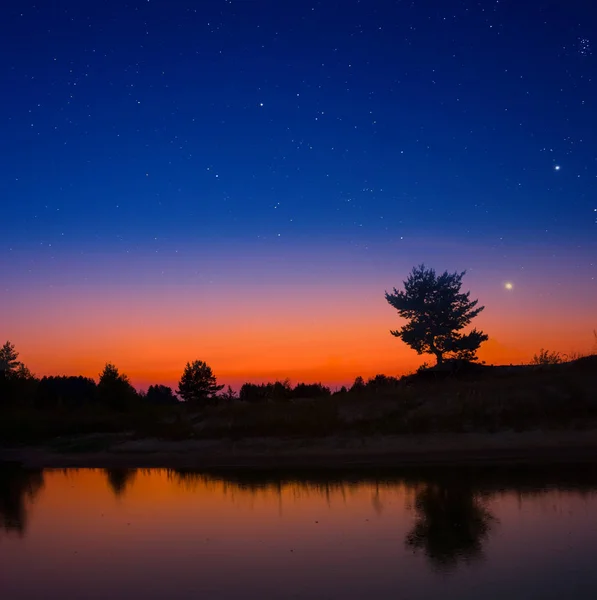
<point x="119" y="534"/>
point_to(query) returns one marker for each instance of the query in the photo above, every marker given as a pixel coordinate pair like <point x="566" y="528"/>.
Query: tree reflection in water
<point x="18" y="488"/>
<point x="119" y="479"/>
<point x="452" y="523"/>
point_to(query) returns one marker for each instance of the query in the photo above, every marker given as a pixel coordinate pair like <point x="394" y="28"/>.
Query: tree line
<point x="436" y="314"/>
<point x="197" y="386"/>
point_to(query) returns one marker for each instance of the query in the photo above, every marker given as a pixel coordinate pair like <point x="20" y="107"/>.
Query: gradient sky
<point x="240" y="181"/>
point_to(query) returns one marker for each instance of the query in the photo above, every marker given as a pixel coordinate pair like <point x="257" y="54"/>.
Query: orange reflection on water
<point x="122" y="533"/>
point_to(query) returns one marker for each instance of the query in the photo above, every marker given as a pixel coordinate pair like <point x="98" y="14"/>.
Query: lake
<point x="122" y="534"/>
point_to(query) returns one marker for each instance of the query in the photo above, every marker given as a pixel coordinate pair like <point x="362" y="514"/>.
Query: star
<point x="557" y="168"/>
<point x="509" y="285"/>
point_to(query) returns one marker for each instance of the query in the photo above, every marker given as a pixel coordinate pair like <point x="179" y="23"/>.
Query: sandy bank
<point x="333" y="452"/>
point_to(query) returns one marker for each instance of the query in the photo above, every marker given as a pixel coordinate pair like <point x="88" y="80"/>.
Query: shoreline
<point x="538" y="448"/>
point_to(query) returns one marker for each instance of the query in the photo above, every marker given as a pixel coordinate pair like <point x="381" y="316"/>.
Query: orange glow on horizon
<point x="304" y="333"/>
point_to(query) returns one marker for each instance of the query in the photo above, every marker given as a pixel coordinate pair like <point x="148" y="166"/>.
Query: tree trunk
<point x="439" y="355"/>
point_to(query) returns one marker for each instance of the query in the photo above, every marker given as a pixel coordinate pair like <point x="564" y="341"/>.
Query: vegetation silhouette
<point x="198" y="384"/>
<point x="281" y="391"/>
<point x="229" y="395"/>
<point x="119" y="479"/>
<point x="160" y="394"/>
<point x="16" y="380"/>
<point x="437" y="312"/>
<point x="65" y="392"/>
<point x="451" y="526"/>
<point x="463" y="396"/>
<point x="18" y="488"/>
<point x="114" y="389"/>
<point x="545" y="357"/>
<point x="10" y="365"/>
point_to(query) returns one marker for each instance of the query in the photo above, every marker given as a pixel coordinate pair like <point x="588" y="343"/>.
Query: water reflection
<point x="18" y="488"/>
<point x="451" y="526"/>
<point x="349" y="535"/>
<point x="119" y="479"/>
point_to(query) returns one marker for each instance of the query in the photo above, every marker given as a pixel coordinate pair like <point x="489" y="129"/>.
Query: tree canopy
<point x="198" y="383"/>
<point x="160" y="394"/>
<point x="114" y="388"/>
<point x="437" y="312"/>
<point x="10" y="365"/>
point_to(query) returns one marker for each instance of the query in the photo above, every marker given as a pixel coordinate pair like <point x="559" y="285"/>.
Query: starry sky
<point x="239" y="181"/>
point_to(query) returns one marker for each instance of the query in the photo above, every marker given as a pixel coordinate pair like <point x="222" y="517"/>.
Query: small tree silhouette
<point x="10" y="365"/>
<point x="17" y="384"/>
<point x="358" y="385"/>
<point x="9" y="359"/>
<point x="437" y="313"/>
<point x="198" y="383"/>
<point x="160" y="394"/>
<point x="114" y="388"/>
<point x="229" y="395"/>
<point x="545" y="357"/>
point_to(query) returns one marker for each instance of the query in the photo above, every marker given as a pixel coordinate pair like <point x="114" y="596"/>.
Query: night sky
<point x="239" y="181"/>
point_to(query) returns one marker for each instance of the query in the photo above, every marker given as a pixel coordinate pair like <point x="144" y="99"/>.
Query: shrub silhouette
<point x="160" y="394"/>
<point x="281" y="391"/>
<point x="545" y="357"/>
<point x="229" y="395"/>
<point x="380" y="382"/>
<point x="62" y="391"/>
<point x="310" y="390"/>
<point x="266" y="392"/>
<point x="437" y="312"/>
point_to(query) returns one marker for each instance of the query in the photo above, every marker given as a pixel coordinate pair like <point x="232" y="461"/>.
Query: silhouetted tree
<point x="252" y="392"/>
<point x="160" y="394"/>
<point x="114" y="389"/>
<point x="437" y="312"/>
<point x="229" y="395"/>
<point x="119" y="479"/>
<point x="358" y="385"/>
<point x="198" y="383"/>
<point x="17" y="384"/>
<point x="17" y="488"/>
<point x="310" y="390"/>
<point x="65" y="391"/>
<point x="381" y="382"/>
<point x="280" y="391"/>
<point x="266" y="392"/>
<point x="451" y="525"/>
<point x="9" y="359"/>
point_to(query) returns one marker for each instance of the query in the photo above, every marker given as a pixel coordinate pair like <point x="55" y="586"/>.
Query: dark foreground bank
<point x="475" y="449"/>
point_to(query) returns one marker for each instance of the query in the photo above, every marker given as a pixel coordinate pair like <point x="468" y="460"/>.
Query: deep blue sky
<point x="122" y="122"/>
<point x="164" y="140"/>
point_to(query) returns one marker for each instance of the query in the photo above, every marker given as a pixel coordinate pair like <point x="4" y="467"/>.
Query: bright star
<point x="509" y="285"/>
<point x="557" y="168"/>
